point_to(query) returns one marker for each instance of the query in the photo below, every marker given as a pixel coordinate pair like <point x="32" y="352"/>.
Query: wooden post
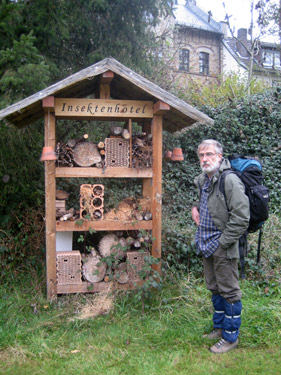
<point x="160" y="108"/>
<point x="147" y="182"/>
<point x="157" y="189"/>
<point x="147" y="187"/>
<point x="104" y="88"/>
<point x="131" y="141"/>
<point x="50" y="199"/>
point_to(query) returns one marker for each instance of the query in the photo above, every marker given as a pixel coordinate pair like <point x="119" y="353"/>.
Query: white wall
<point x="230" y="64"/>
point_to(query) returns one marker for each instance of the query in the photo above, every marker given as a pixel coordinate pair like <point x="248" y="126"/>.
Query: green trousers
<point x="222" y="276"/>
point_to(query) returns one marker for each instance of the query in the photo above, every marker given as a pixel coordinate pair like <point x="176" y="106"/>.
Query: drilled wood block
<point x="135" y="264"/>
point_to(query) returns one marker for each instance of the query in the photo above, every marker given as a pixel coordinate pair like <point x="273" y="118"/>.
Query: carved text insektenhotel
<point x="103" y="108"/>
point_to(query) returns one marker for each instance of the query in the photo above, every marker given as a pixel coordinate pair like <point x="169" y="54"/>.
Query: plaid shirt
<point x="207" y="234"/>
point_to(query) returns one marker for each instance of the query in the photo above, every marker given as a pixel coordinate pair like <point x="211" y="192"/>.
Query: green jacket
<point x="234" y="220"/>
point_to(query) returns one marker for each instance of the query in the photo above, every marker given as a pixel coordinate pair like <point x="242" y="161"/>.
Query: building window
<point x="184" y="60"/>
<point x="271" y="59"/>
<point x="268" y="60"/>
<point x="203" y="63"/>
<point x="277" y="62"/>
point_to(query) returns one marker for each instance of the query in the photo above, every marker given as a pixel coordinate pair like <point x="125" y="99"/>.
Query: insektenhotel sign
<point x="103" y="108"/>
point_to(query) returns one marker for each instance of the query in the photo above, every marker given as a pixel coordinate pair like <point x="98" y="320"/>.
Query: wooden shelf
<point x="86" y="287"/>
<point x="68" y="172"/>
<point x="103" y="225"/>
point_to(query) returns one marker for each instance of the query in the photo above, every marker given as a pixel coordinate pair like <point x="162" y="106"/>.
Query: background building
<point x="194" y="45"/>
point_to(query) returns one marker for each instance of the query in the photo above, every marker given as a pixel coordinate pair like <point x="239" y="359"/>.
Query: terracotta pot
<point x="168" y="155"/>
<point x="177" y="155"/>
<point x="48" y="153"/>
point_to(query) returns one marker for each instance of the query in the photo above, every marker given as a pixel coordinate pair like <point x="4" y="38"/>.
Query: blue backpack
<point x="249" y="170"/>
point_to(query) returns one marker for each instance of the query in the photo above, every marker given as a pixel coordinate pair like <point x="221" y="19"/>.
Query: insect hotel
<point x="106" y="91"/>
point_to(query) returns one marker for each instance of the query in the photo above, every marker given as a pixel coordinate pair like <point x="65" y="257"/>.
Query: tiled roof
<point x="192" y="16"/>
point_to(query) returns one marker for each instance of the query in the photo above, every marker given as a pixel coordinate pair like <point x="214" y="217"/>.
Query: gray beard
<point x="211" y="169"/>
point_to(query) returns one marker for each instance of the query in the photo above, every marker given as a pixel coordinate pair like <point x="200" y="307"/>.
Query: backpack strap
<point x="221" y="184"/>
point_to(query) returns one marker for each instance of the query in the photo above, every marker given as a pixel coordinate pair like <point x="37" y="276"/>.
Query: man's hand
<point x="195" y="215"/>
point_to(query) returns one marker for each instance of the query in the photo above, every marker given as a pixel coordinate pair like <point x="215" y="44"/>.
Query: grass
<point x="38" y="337"/>
<point x="42" y="338"/>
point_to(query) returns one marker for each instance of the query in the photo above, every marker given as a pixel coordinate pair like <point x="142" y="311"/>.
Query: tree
<point x="76" y="34"/>
<point x="266" y="12"/>
<point x="269" y="16"/>
<point x="10" y="22"/>
<point x="22" y="70"/>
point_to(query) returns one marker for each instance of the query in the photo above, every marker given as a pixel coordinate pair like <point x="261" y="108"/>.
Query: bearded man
<point x="221" y="220"/>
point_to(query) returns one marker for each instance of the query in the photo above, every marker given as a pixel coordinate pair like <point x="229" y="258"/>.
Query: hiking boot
<point x="223" y="346"/>
<point x="215" y="334"/>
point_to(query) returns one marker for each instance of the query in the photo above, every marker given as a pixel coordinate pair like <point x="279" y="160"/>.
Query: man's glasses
<point x="208" y="155"/>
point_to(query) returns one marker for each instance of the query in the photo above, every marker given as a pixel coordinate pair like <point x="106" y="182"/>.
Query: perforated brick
<point x="117" y="152"/>
<point x="69" y="269"/>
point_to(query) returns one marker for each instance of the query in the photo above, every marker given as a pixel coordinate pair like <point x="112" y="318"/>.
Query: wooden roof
<point x="126" y="85"/>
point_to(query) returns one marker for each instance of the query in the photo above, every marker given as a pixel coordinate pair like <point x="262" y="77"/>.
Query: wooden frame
<point x="50" y="199"/>
<point x="151" y="177"/>
<point x="66" y="172"/>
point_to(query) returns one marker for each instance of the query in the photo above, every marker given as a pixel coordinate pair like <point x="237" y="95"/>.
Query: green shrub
<point x="22" y="242"/>
<point x="249" y="126"/>
<point x="230" y="87"/>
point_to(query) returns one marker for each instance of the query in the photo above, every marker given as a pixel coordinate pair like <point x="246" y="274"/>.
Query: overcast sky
<point x="238" y="9"/>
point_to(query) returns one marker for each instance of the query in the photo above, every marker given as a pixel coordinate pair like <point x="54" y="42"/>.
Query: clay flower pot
<point x="177" y="155"/>
<point x="48" y="153"/>
<point x="168" y="155"/>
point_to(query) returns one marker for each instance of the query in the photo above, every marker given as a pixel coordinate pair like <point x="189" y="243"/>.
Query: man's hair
<point x="211" y="142"/>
